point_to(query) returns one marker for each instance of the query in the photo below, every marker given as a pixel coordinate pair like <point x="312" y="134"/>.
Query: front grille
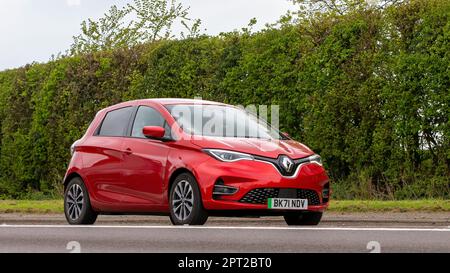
<point x="260" y="196"/>
<point x="312" y="196"/>
<point x="277" y="163"/>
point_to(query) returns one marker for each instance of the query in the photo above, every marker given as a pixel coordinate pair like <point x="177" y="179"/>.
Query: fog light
<point x="224" y="190"/>
<point x="326" y="193"/>
<point x="221" y="189"/>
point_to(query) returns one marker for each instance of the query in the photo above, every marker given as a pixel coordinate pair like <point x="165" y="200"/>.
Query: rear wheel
<point x="186" y="206"/>
<point x="77" y="205"/>
<point x="307" y="218"/>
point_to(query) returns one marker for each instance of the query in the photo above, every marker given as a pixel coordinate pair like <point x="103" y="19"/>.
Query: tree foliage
<point x="138" y="22"/>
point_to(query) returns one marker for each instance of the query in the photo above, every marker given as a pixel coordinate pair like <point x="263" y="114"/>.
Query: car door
<point x="104" y="159"/>
<point x="145" y="162"/>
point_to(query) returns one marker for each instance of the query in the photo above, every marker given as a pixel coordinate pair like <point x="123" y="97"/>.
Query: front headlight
<point x="228" y="156"/>
<point x="315" y="158"/>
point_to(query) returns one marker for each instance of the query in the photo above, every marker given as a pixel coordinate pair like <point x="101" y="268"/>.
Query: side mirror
<point x="154" y="132"/>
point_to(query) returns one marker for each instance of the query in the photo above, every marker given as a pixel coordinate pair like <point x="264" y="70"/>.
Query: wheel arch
<point x="70" y="177"/>
<point x="176" y="173"/>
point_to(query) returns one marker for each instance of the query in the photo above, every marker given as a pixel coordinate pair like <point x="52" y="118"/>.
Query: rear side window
<point x="147" y="116"/>
<point x="115" y="122"/>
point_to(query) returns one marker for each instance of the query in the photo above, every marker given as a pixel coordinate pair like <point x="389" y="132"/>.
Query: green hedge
<point x="368" y="90"/>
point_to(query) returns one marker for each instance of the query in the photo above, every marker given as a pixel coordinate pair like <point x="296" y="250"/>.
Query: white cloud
<point x="73" y="3"/>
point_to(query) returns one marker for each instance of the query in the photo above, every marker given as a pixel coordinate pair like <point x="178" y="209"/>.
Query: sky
<point x="33" y="30"/>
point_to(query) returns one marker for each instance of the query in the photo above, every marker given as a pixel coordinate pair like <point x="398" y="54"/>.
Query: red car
<point x="190" y="159"/>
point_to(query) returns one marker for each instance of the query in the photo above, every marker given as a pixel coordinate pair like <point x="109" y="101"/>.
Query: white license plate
<point x="287" y="203"/>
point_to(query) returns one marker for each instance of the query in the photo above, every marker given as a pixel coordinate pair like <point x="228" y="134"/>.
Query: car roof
<point x="162" y="101"/>
<point x="168" y="101"/>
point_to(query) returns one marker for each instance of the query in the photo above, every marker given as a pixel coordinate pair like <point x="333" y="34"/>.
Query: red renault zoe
<point x="190" y="159"/>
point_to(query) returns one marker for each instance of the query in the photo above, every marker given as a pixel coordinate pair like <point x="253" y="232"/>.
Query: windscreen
<point x="221" y="121"/>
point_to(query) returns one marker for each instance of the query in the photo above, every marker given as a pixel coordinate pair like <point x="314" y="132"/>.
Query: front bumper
<point x="251" y="178"/>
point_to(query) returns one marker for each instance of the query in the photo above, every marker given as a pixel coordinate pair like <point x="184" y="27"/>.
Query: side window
<point x="147" y="116"/>
<point x="115" y="122"/>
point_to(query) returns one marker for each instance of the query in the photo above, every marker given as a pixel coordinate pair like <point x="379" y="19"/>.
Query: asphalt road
<point x="158" y="238"/>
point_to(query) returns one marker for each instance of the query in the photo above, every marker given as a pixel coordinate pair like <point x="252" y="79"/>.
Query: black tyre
<point x="77" y="205"/>
<point x="186" y="206"/>
<point x="307" y="218"/>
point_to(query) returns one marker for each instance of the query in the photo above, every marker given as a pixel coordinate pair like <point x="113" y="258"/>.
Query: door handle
<point x="128" y="151"/>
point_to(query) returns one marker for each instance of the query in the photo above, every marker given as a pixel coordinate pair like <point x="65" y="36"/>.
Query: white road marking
<point x="237" y="228"/>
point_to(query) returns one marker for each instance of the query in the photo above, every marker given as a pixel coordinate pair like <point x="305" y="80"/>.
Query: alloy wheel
<point x="75" y="201"/>
<point x="183" y="200"/>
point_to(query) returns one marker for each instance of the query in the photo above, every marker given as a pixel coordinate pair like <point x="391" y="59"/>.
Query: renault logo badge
<point x="286" y="163"/>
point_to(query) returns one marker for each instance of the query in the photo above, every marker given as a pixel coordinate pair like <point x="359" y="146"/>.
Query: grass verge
<point x="56" y="206"/>
<point x="31" y="206"/>
<point x="427" y="205"/>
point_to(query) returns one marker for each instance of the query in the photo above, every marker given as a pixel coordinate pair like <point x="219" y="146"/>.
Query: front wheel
<point x="307" y="218"/>
<point x="77" y="205"/>
<point x="186" y="206"/>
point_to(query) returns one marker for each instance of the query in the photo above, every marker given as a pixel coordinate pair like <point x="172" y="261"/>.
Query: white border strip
<point x="236" y="228"/>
